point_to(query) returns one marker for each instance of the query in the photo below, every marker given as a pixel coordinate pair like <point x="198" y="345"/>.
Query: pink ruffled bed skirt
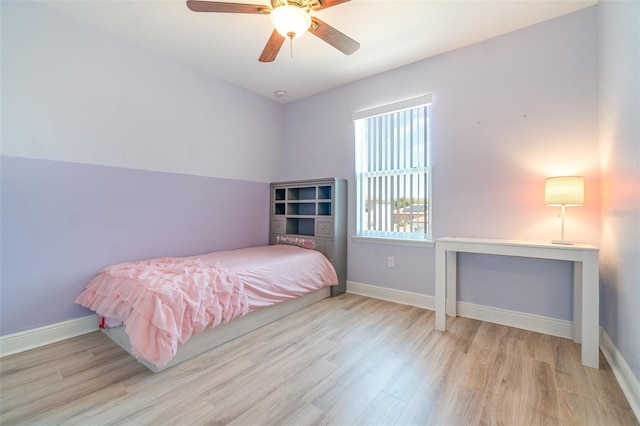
<point x="163" y="302"/>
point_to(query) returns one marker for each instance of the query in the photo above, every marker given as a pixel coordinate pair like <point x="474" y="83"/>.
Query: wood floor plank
<point x="578" y="410"/>
<point x="272" y="410"/>
<point x="478" y="365"/>
<point x="458" y="405"/>
<point x="384" y="409"/>
<point x="344" y="360"/>
<point x="53" y="353"/>
<point x="359" y="359"/>
<point x="305" y="414"/>
<point x="571" y="375"/>
<point x="362" y="387"/>
<point x="20" y="382"/>
<point x="604" y="383"/>
<point x="234" y="398"/>
<point x="423" y="406"/>
<point x="539" y="346"/>
<point x="541" y="393"/>
<point x="614" y="414"/>
<point x="410" y="376"/>
<point x="504" y="398"/>
<point x="39" y="403"/>
<point x="64" y="412"/>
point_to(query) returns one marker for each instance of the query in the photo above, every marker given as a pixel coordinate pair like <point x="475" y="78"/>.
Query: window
<point x="393" y="174"/>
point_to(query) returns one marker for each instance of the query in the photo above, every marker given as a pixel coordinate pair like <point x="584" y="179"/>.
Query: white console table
<point x="586" y="294"/>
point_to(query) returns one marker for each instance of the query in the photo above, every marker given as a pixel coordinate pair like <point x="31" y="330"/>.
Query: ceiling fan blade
<point x="334" y="37"/>
<point x="222" y="7"/>
<point x="328" y="3"/>
<point x="272" y="48"/>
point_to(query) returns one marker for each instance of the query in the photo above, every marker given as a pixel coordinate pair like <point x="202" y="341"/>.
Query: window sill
<point x="393" y="241"/>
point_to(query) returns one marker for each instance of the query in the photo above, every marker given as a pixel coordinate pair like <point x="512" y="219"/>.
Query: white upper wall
<point x="77" y="93"/>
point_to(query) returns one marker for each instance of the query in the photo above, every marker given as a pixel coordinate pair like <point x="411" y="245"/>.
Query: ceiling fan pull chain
<point x="291" y="46"/>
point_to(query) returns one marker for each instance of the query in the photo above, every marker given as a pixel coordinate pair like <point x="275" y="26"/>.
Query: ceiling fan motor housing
<point x="290" y="21"/>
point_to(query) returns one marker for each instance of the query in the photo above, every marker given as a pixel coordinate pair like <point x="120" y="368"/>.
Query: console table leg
<point x="577" y="302"/>
<point x="441" y="289"/>
<point x="452" y="283"/>
<point x="590" y="310"/>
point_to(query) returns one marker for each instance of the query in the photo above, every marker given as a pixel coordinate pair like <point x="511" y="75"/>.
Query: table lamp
<point x="564" y="191"/>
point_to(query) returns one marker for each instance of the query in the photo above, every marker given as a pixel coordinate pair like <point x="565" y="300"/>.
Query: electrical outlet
<point x="391" y="261"/>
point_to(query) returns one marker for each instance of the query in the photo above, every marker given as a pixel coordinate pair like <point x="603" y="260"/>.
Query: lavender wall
<point x="110" y="153"/>
<point x="63" y="222"/>
<point x="508" y="112"/>
<point x="619" y="62"/>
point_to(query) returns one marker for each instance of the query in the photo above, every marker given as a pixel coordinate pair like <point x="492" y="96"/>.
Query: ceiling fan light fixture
<point x="290" y="21"/>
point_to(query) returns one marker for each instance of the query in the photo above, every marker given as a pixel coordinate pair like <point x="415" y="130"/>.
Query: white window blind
<point x="393" y="175"/>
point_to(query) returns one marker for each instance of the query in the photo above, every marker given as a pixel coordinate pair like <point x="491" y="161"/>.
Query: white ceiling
<point x="391" y="33"/>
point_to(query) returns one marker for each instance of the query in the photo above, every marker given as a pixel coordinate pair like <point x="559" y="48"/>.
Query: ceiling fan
<point x="290" y="18"/>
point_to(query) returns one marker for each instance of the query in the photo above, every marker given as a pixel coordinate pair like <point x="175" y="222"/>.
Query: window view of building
<point x="392" y="170"/>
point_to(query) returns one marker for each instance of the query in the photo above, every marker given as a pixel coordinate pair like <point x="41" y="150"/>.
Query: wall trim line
<point x="392" y="295"/>
<point x="525" y="321"/>
<point x="42" y="336"/>
<point x="627" y="380"/>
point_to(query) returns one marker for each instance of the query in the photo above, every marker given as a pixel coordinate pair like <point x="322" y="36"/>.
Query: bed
<point x="165" y="311"/>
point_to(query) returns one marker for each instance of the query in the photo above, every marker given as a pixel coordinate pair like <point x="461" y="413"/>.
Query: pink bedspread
<point x="163" y="302"/>
<point x="272" y="274"/>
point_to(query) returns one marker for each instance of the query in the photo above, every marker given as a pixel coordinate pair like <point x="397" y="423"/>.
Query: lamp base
<point x="562" y="242"/>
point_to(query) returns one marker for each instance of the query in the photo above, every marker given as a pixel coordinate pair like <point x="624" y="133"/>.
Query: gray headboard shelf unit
<point x="313" y="210"/>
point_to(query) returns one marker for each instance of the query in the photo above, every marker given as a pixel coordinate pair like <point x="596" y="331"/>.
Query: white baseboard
<point x="42" y="336"/>
<point x="627" y="380"/>
<point x="540" y="324"/>
<point x="391" y="295"/>
<point x="531" y="322"/>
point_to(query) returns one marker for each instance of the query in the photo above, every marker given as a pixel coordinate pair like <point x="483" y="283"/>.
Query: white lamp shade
<point x="564" y="190"/>
<point x="290" y="21"/>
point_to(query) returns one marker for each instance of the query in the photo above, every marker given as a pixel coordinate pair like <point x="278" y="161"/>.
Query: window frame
<point x="396" y="237"/>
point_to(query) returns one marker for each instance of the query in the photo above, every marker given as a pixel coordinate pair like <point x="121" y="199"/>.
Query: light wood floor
<point x="345" y="360"/>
